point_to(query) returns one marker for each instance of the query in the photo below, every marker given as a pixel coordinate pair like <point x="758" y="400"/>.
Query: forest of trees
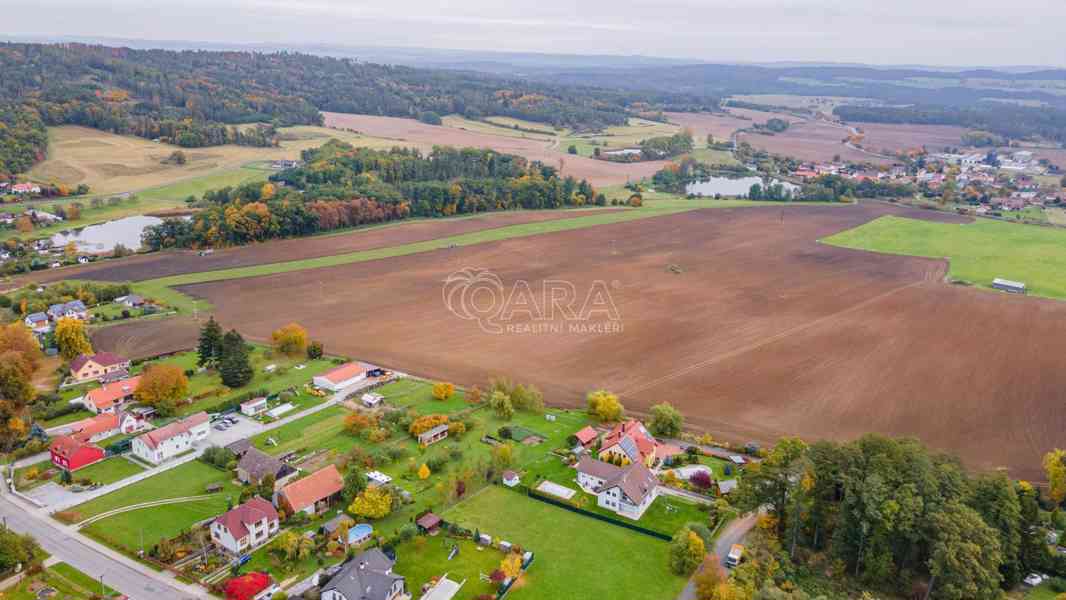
<point x="194" y="98"/>
<point x="896" y="517"/>
<point x="1006" y="120"/>
<point x="668" y="146"/>
<point x="23" y="138"/>
<point x="341" y="186"/>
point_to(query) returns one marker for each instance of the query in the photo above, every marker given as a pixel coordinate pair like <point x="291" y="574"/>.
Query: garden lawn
<point x="577" y="557"/>
<point x="207" y="388"/>
<point x="978" y="252"/>
<point x="718" y="467"/>
<point x="71" y="584"/>
<point x="417" y="394"/>
<point x="421" y="559"/>
<point x="323" y="430"/>
<point x="66" y="419"/>
<point x="108" y="471"/>
<point x="1043" y="591"/>
<point x="189" y="479"/>
<point x="123" y="531"/>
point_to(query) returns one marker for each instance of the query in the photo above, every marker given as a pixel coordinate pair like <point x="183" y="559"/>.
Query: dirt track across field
<point x="165" y="264"/>
<point x="737" y="316"/>
<point x="597" y="172"/>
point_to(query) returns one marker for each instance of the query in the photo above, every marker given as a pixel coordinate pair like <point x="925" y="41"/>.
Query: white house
<point x="254" y="406"/>
<point x="171" y="440"/>
<point x="627" y="491"/>
<point x="370" y="399"/>
<point x="246" y="527"/>
<point x="38" y="322"/>
<point x="341" y="377"/>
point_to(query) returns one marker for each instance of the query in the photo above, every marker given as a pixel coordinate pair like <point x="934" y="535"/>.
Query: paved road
<point x="120" y="573"/>
<point x="733" y="533"/>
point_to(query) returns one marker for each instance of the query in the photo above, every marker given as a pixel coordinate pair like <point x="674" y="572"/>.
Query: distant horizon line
<point x="190" y="44"/>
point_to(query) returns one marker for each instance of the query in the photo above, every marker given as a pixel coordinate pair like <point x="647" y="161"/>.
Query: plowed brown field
<point x="164" y="264"/>
<point x="597" y="172"/>
<point x="759" y="331"/>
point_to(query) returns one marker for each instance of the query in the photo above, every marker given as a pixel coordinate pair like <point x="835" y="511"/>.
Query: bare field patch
<point x="762" y="332"/>
<point x="414" y="133"/>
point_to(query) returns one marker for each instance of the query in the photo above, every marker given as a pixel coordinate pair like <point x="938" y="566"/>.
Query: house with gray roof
<point x="627" y="491"/>
<point x="255" y="464"/>
<point x="367" y="576"/>
<point x="74" y="309"/>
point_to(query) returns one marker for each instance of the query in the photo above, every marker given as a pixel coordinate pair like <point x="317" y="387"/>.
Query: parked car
<point x="1035" y="579"/>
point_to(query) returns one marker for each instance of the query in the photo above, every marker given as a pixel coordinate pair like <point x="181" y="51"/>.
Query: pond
<point x="105" y="236"/>
<point x="728" y="186"/>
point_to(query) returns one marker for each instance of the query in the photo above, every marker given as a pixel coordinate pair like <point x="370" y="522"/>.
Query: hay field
<point x="111" y="163"/>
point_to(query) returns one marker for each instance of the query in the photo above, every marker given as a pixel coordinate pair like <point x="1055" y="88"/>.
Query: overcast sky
<point x="934" y="32"/>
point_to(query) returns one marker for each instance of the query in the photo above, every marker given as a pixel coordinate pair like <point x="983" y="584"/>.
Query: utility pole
<point x="102" y="593"/>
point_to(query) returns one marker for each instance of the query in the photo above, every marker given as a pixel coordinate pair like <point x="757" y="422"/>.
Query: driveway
<point x="733" y="533"/>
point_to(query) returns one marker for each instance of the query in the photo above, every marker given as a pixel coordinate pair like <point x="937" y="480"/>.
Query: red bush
<point x="247" y="586"/>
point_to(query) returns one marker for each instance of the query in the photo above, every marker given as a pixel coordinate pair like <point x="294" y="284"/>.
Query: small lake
<point x="104" y="237"/>
<point x="729" y="186"/>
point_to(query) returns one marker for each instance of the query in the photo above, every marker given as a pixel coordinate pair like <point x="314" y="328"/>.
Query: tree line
<point x="340" y="186"/>
<point x="1006" y="120"/>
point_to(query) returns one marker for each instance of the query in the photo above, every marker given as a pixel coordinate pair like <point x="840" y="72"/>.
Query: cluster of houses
<point x="621" y="475"/>
<point x="253" y="523"/>
<point x="42" y="322"/>
<point x="1005" y="184"/>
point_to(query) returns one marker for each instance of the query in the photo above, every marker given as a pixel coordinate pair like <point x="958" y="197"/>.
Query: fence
<point x="538" y="496"/>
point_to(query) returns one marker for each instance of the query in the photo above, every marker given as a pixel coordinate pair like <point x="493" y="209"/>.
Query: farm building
<point x="1006" y="285"/>
<point x="38" y="322"/>
<point x="434" y="435"/>
<point x="341" y="377"/>
<point x="370" y="400"/>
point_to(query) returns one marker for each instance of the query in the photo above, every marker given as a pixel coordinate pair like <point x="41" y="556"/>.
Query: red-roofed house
<point x="91" y="367"/>
<point x="630" y="442"/>
<point x="162" y="444"/>
<point x="71" y="454"/>
<point x="341" y="377"/>
<point x="100" y="427"/>
<point x="586" y="437"/>
<point x="107" y="398"/>
<point x="246" y="527"/>
<point x="313" y="492"/>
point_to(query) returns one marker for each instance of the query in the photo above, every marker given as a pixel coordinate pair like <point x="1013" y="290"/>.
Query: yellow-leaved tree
<point x="443" y="390"/>
<point x="71" y="339"/>
<point x="290" y="340"/>
<point x="423" y="471"/>
<point x="373" y="503"/>
<point x="1055" y="469"/>
<point x="162" y="386"/>
<point x="605" y="406"/>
